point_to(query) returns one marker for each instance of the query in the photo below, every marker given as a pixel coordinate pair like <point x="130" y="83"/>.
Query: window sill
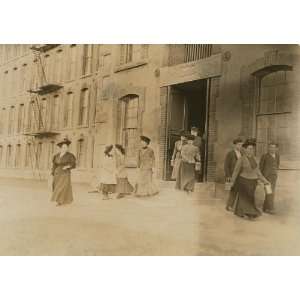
<point x="82" y="126"/>
<point x="86" y="76"/>
<point x="130" y="65"/>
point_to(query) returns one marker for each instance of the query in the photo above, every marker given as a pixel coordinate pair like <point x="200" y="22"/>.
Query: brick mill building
<point x="101" y="94"/>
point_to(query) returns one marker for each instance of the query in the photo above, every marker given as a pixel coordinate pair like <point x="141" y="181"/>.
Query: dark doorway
<point x="187" y="108"/>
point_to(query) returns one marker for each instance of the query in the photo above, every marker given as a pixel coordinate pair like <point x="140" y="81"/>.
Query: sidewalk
<point x="167" y="224"/>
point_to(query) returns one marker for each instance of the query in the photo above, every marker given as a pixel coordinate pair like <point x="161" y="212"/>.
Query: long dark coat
<point x="62" y="188"/>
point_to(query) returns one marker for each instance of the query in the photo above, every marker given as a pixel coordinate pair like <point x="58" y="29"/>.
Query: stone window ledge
<point x="130" y="65"/>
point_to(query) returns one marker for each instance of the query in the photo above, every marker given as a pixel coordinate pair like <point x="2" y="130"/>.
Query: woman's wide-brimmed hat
<point x="64" y="141"/>
<point x="145" y="139"/>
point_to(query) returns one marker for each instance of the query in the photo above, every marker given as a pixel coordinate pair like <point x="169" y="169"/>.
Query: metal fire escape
<point x="39" y="128"/>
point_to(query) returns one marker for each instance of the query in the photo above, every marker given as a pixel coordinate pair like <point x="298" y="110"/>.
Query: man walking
<point x="229" y="164"/>
<point x="269" y="165"/>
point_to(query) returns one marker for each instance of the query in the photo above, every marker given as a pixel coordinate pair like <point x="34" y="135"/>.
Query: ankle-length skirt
<point x="186" y="177"/>
<point x="62" y="189"/>
<point x="245" y="203"/>
<point x="146" y="185"/>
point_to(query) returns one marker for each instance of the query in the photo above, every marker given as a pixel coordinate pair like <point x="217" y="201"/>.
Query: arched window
<point x="128" y="127"/>
<point x="273" y="113"/>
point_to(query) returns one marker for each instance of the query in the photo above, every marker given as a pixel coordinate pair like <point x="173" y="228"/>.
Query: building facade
<point x="101" y="94"/>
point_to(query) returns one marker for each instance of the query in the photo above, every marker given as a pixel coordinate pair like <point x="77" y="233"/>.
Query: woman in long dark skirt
<point x="63" y="163"/>
<point x="186" y="176"/>
<point x="245" y="177"/>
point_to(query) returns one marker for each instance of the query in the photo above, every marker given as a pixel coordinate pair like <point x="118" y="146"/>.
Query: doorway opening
<point x="187" y="108"/>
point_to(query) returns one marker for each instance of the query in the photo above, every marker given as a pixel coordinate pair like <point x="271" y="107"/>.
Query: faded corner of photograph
<point x="149" y="149"/>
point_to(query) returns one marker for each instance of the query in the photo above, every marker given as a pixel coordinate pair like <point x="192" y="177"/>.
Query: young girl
<point x="108" y="173"/>
<point x="123" y="186"/>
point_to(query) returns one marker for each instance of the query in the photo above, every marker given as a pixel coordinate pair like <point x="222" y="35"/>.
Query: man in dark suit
<point x="229" y="164"/>
<point x="269" y="165"/>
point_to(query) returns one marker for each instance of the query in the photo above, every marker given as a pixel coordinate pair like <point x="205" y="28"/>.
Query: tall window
<point x="5" y="84"/>
<point x="273" y="114"/>
<point x="126" y="54"/>
<point x="39" y="152"/>
<point x="83" y="107"/>
<point x="11" y="120"/>
<point x="32" y="118"/>
<point x="18" y="156"/>
<point x="55" y="112"/>
<point x="28" y="156"/>
<point x="58" y="66"/>
<point x="1" y="155"/>
<point x="68" y="110"/>
<point x="2" y="120"/>
<point x="129" y="126"/>
<point x="47" y="68"/>
<point x="86" y="59"/>
<point x="9" y="156"/>
<point x="80" y="153"/>
<point x="72" y="61"/>
<point x="20" y="118"/>
<point x="43" y="114"/>
<point x="51" y="154"/>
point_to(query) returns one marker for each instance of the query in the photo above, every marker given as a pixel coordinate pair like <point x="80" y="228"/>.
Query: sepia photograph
<point x="149" y="149"/>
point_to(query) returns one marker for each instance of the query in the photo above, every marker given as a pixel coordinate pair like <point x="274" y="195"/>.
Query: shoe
<point x="105" y="198"/>
<point x="119" y="196"/>
<point x="270" y="212"/>
<point x="229" y="208"/>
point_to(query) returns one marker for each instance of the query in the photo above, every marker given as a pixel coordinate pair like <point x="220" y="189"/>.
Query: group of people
<point x="242" y="171"/>
<point x="187" y="160"/>
<point x="245" y="173"/>
<point x="113" y="177"/>
<point x="113" y="172"/>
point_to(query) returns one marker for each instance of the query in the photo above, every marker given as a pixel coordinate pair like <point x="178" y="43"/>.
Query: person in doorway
<point x="229" y="164"/>
<point x="186" y="174"/>
<point x="63" y="163"/>
<point x="146" y="163"/>
<point x="269" y="165"/>
<point x="199" y="143"/>
<point x="108" y="172"/>
<point x="176" y="157"/>
<point x="245" y="176"/>
<point x="123" y="187"/>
